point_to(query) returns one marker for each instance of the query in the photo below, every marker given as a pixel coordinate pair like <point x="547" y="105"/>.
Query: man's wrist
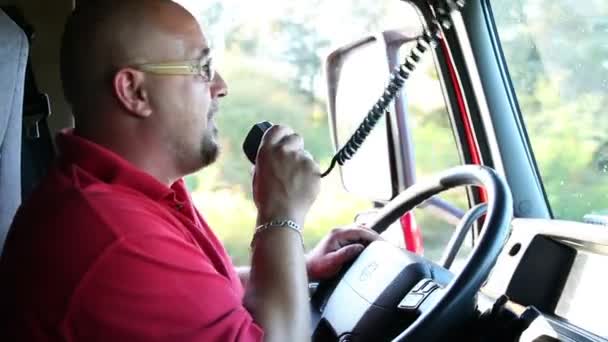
<point x="294" y="216"/>
<point x="277" y="224"/>
<point x="307" y="258"/>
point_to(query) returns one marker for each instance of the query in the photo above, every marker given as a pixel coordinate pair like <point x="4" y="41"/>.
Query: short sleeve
<point x="157" y="288"/>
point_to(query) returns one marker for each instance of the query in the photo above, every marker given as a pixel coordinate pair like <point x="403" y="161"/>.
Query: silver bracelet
<point x="289" y="224"/>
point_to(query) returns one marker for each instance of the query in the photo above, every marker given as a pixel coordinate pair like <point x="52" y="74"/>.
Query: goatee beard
<point x="210" y="151"/>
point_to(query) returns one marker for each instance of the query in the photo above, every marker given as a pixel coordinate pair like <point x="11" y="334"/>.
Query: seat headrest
<point x="14" y="49"/>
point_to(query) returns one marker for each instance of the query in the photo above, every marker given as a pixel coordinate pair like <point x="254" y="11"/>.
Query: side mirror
<point x="357" y="74"/>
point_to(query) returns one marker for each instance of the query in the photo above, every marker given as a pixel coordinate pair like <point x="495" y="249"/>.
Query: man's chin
<point x="210" y="153"/>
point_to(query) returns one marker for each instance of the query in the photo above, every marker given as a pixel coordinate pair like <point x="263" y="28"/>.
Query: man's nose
<point x="219" y="88"/>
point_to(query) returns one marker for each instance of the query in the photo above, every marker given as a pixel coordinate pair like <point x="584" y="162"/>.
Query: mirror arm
<point x="446" y="210"/>
<point x="400" y="124"/>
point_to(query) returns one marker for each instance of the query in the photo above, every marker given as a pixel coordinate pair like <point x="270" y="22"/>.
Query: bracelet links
<point x="287" y="224"/>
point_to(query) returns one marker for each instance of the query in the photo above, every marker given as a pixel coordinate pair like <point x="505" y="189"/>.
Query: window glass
<point x="557" y="56"/>
<point x="271" y="56"/>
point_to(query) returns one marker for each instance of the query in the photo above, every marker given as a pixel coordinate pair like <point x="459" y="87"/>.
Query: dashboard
<point x="559" y="268"/>
<point x="548" y="284"/>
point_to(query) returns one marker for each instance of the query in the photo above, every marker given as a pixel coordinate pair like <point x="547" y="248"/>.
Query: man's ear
<point x="130" y="91"/>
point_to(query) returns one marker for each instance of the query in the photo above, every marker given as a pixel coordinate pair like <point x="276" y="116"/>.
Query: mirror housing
<point x="356" y="75"/>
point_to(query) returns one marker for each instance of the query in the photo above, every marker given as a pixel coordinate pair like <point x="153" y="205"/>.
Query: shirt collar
<point x="108" y="167"/>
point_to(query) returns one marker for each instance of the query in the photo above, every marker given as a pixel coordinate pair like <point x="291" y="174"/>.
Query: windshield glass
<point x="557" y="56"/>
<point x="272" y="57"/>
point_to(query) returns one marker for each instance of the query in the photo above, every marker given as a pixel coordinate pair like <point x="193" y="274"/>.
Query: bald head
<point x="102" y="36"/>
<point x="162" y="123"/>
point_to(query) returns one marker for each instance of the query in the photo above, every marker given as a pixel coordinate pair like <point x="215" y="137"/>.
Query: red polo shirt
<point x="104" y="252"/>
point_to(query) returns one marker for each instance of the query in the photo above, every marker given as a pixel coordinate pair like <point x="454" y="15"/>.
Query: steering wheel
<point x="391" y="294"/>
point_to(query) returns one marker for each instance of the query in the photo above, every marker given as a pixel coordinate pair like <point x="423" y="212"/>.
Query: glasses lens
<point x="206" y="69"/>
<point x="210" y="70"/>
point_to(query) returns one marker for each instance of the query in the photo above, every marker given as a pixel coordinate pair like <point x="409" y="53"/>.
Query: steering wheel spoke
<point x="465" y="225"/>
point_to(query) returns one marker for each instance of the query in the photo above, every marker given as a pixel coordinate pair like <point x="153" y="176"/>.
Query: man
<point x="110" y="248"/>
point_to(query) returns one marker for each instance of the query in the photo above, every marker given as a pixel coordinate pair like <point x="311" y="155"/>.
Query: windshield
<point x="272" y="57"/>
<point x="557" y="56"/>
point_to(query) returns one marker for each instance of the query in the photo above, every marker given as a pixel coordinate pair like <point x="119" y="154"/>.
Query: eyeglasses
<point x="201" y="67"/>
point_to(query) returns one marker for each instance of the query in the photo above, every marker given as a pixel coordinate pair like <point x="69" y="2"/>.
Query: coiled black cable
<point x="398" y="77"/>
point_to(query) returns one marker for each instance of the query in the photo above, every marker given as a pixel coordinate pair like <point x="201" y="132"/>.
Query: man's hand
<point x="337" y="248"/>
<point x="286" y="179"/>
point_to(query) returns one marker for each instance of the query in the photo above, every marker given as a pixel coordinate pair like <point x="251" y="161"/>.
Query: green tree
<point x="302" y="45"/>
<point x="558" y="62"/>
<point x="255" y="96"/>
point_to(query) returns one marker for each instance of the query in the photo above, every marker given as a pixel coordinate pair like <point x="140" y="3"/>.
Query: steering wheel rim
<point x="461" y="291"/>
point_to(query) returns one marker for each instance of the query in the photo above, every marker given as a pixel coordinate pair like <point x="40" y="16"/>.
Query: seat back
<point x="14" y="50"/>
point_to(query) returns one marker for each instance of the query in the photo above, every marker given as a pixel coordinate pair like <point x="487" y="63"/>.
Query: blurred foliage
<point x="232" y="214"/>
<point x="256" y="95"/>
<point x="303" y="53"/>
<point x="558" y="62"/>
<point x="223" y="191"/>
<point x="557" y="58"/>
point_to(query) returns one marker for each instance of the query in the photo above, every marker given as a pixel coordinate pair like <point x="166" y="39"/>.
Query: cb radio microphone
<point x="254" y="139"/>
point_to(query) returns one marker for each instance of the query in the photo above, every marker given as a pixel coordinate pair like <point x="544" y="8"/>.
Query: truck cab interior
<point x="531" y="273"/>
